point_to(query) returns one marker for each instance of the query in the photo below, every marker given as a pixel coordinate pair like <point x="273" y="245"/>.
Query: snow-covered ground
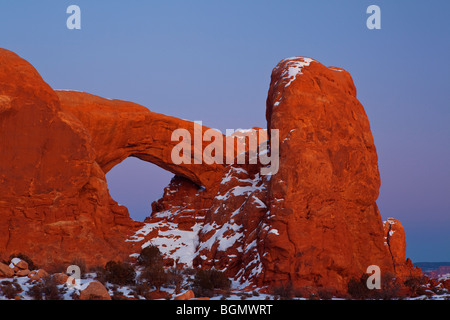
<point x="235" y="293"/>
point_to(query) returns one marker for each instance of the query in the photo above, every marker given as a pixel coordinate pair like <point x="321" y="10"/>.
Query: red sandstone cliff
<point x="54" y="201"/>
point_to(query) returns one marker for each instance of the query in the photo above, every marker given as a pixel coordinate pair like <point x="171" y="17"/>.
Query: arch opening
<point x="135" y="184"/>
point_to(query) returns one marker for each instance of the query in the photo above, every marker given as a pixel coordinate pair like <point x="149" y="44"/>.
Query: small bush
<point x="116" y="294"/>
<point x="81" y="263"/>
<point x="390" y="288"/>
<point x="357" y="288"/>
<point x="150" y="256"/>
<point x="142" y="290"/>
<point x="10" y="289"/>
<point x="35" y="292"/>
<point x="415" y="285"/>
<point x="175" y="278"/>
<point x="47" y="289"/>
<point x="284" y="291"/>
<point x="116" y="272"/>
<point x="189" y="271"/>
<point x="207" y="280"/>
<point x="154" y="276"/>
<point x="325" y="294"/>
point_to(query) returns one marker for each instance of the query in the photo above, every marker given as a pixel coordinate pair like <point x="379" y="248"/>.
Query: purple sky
<point x="211" y="61"/>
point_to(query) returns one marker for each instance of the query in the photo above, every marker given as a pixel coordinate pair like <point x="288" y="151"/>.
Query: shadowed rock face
<point x="314" y="223"/>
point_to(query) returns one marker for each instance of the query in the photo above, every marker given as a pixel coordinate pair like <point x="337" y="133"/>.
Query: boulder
<point x="187" y="295"/>
<point x="95" y="291"/>
<point x="22" y="273"/>
<point x="60" y="278"/>
<point x="19" y="264"/>
<point x="37" y="275"/>
<point x="6" y="271"/>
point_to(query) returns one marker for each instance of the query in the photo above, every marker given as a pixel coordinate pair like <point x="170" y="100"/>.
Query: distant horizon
<point x="212" y="61"/>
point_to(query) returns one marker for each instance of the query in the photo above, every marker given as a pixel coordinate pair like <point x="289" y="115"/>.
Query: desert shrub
<point x="31" y="265"/>
<point x="116" y="294"/>
<point x="206" y="281"/>
<point x="35" y="292"/>
<point x="189" y="271"/>
<point x="313" y="296"/>
<point x="357" y="288"/>
<point x="117" y="272"/>
<point x="302" y="292"/>
<point x="325" y="294"/>
<point x="175" y="278"/>
<point x="390" y="288"/>
<point x="10" y="289"/>
<point x="416" y="285"/>
<point x="81" y="263"/>
<point x="285" y="291"/>
<point x="142" y="290"/>
<point x="154" y="275"/>
<point x="47" y="289"/>
<point x="150" y="256"/>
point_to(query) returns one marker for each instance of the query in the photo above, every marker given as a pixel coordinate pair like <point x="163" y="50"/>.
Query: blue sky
<point x="212" y="60"/>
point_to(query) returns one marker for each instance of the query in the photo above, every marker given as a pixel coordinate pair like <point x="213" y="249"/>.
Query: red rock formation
<point x="396" y="242"/>
<point x="322" y="200"/>
<point x="54" y="201"/>
<point x="57" y="149"/>
<point x="314" y="223"/>
<point x="95" y="291"/>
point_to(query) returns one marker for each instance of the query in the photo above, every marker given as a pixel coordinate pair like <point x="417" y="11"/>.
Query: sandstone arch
<point x="122" y="129"/>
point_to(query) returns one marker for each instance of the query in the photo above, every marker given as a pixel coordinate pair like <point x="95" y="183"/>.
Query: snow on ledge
<point x="294" y="68"/>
